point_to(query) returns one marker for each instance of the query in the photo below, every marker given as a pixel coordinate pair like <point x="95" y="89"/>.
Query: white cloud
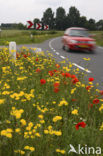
<point x="23" y="10"/>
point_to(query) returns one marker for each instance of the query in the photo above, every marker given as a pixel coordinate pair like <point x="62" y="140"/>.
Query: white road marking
<point x="100" y="47"/>
<point x="57" y="53"/>
<point x="62" y="57"/>
<point x="88" y="71"/>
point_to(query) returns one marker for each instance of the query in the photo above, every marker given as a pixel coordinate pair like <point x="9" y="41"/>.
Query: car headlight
<point x="91" y="42"/>
<point x="73" y="41"/>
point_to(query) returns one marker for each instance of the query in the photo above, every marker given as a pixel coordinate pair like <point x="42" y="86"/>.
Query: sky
<point x="15" y="11"/>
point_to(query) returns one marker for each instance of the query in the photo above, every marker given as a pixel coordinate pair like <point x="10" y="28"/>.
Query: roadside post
<point x="12" y="49"/>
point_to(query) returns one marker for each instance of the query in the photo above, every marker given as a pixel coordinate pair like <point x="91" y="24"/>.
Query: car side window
<point x="66" y="32"/>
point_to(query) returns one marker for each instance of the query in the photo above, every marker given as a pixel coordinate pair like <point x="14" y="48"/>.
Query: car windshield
<point x="79" y="32"/>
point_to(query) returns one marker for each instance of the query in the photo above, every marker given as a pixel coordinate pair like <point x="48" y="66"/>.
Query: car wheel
<point x="63" y="47"/>
<point x="67" y="48"/>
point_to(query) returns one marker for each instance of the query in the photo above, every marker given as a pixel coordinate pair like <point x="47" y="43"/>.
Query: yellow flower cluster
<point x="63" y="102"/>
<point x="17" y="113"/>
<point x="29" y="148"/>
<point x="20" y="152"/>
<point x="52" y="132"/>
<point x="7" y="132"/>
<point x="56" y="118"/>
<point x="21" y="78"/>
<point x="27" y="96"/>
<point x="60" y="151"/>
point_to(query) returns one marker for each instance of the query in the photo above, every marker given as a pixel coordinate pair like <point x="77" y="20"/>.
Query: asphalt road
<point x="95" y="65"/>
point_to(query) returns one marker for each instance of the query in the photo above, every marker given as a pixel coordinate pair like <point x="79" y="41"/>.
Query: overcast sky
<point x="23" y="10"/>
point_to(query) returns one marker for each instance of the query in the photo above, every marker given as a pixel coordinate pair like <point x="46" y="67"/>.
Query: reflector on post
<point x="12" y="49"/>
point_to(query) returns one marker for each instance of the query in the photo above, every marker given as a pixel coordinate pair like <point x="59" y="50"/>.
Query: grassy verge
<point x="45" y="107"/>
<point x="98" y="37"/>
<point x="24" y="36"/>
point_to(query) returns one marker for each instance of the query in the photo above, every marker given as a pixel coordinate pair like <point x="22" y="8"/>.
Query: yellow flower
<point x="2" y="101"/>
<point x="23" y="122"/>
<point x="101" y="127"/>
<point x="101" y="108"/>
<point x="19" y="151"/>
<point x="58" y="133"/>
<point x="17" y="130"/>
<point x="73" y="90"/>
<point x="86" y="59"/>
<point x="60" y="151"/>
<point x="63" y="102"/>
<point x="26" y="147"/>
<point x="46" y="131"/>
<point x="9" y="135"/>
<point x="40" y="116"/>
<point x="32" y="149"/>
<point x="75" y="112"/>
<point x="56" y="118"/>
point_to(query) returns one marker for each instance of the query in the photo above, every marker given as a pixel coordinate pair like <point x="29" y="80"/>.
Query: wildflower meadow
<point x="45" y="106"/>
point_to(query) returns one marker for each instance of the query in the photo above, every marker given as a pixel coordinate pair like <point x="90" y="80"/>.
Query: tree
<point x="60" y="18"/>
<point x="83" y="22"/>
<point x="73" y="17"/>
<point x="99" y="25"/>
<point x="48" y="18"/>
<point x="91" y="24"/>
<point x="36" y="20"/>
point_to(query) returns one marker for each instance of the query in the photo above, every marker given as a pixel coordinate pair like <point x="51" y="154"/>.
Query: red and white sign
<point x="46" y="27"/>
<point x="38" y="26"/>
<point x="30" y="24"/>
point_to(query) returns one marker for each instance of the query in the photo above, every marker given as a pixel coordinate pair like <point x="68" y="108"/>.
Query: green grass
<point x="24" y="36"/>
<point x="98" y="37"/>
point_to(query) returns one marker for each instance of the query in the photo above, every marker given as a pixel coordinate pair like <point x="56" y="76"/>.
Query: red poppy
<point x="55" y="70"/>
<point x="73" y="76"/>
<point x="56" y="84"/>
<point x="37" y="59"/>
<point x="56" y="90"/>
<point x="101" y="92"/>
<point x="90" y="106"/>
<point x="51" y="73"/>
<point x="42" y="81"/>
<point x="88" y="87"/>
<point x="37" y="70"/>
<point x="63" y="74"/>
<point x="74" y="81"/>
<point x="96" y="101"/>
<point x="67" y="75"/>
<point x="91" y="79"/>
<point x="80" y="124"/>
<point x="74" y="100"/>
<point x="25" y="56"/>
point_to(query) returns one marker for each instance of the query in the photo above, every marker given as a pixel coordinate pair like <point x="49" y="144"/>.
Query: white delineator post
<point x="12" y="49"/>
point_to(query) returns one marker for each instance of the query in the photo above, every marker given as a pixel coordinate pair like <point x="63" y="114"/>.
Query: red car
<point x="76" y="38"/>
